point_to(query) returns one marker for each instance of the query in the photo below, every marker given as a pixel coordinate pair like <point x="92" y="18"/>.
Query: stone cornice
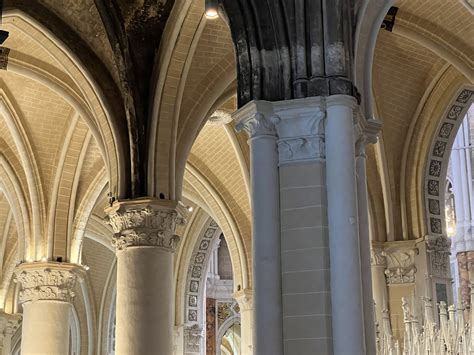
<point x="48" y="281"/>
<point x="145" y="222"/>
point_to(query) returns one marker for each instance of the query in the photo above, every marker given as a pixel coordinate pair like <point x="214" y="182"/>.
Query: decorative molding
<point x="438" y="159"/>
<point x="438" y="248"/>
<point x="4" y="52"/>
<point x="196" y="277"/>
<point x="226" y="310"/>
<point x="193" y="336"/>
<point x="148" y="222"/>
<point x="400" y="265"/>
<point x="48" y="281"/>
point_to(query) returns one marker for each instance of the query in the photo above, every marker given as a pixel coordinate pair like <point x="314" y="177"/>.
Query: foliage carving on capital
<point x="192" y="338"/>
<point x="256" y="125"/>
<point x="439" y="249"/>
<point x="301" y="134"/>
<point x="145" y="226"/>
<point x="377" y="257"/>
<point x="9" y="323"/>
<point x="47" y="281"/>
<point x="244" y="299"/>
<point x="400" y="265"/>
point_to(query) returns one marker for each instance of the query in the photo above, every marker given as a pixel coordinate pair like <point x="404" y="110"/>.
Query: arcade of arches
<point x="231" y="176"/>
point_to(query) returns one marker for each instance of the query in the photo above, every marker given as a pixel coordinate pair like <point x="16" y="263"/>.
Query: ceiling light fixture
<point x="211" y="9"/>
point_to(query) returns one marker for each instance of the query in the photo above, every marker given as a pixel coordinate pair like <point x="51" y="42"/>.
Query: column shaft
<point x="364" y="243"/>
<point x="45" y="328"/>
<point x="266" y="245"/>
<point x="144" y="301"/>
<point x="346" y="291"/>
<point x="266" y="254"/>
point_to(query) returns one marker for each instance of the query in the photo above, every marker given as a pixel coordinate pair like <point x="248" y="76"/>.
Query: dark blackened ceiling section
<point x="288" y="49"/>
<point x="134" y="29"/>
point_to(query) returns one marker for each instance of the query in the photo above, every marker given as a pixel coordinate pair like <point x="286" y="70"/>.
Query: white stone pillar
<point x="145" y="242"/>
<point x="47" y="291"/>
<point x="346" y="282"/>
<point x="9" y="323"/>
<point x="266" y="247"/>
<point x="245" y="300"/>
<point x="306" y="294"/>
<point x="364" y="243"/>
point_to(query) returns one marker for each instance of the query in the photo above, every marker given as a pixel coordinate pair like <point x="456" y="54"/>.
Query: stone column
<point x="9" y="323"/>
<point x="347" y="314"/>
<point x="245" y="300"/>
<point x="364" y="237"/>
<point x="47" y="291"/>
<point x="304" y="234"/>
<point x="266" y="259"/>
<point x="145" y="243"/>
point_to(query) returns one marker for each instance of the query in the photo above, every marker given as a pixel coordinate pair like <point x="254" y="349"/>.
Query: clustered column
<point x="47" y="291"/>
<point x="145" y="243"/>
<point x="318" y="240"/>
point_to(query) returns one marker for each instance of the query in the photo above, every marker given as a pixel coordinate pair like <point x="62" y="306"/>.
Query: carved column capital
<point x="48" y="281"/>
<point x="254" y="118"/>
<point x="145" y="223"/>
<point x="377" y="257"/>
<point x="192" y="338"/>
<point x="245" y="299"/>
<point x="400" y="265"/>
<point x="300" y="127"/>
<point x="9" y="323"/>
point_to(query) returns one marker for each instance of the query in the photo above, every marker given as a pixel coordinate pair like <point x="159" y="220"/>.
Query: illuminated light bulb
<point x="211" y="9"/>
<point x="190" y="208"/>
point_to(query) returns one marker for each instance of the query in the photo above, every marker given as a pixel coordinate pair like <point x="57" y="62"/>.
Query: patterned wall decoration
<point x="197" y="270"/>
<point x="437" y="164"/>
